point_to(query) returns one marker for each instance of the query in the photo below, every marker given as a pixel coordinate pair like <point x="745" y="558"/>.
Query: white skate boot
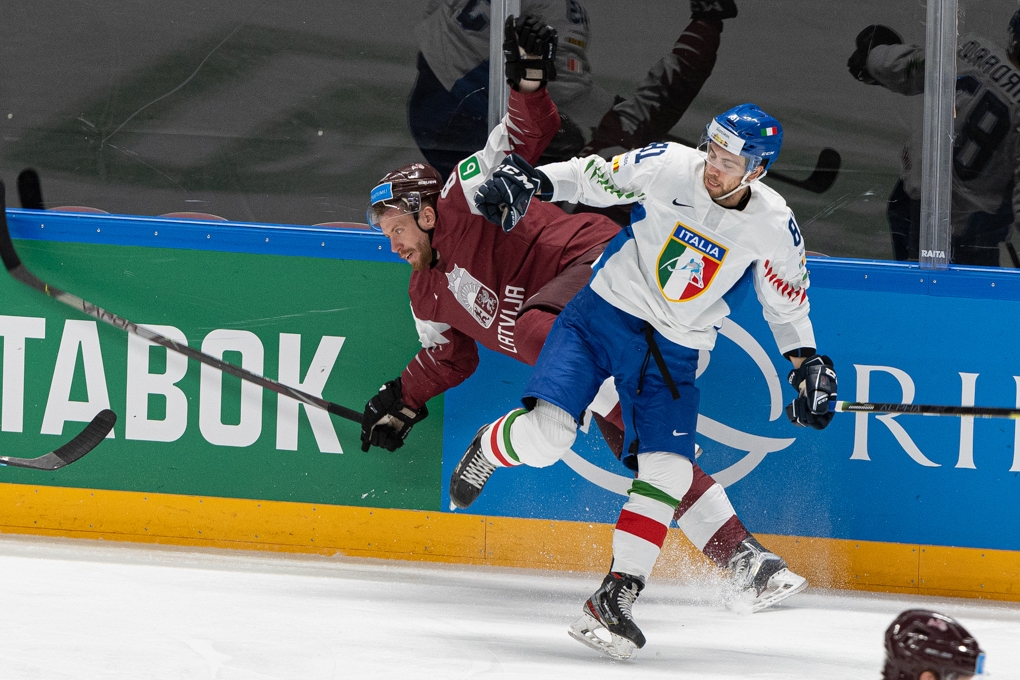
<point x="760" y="578"/>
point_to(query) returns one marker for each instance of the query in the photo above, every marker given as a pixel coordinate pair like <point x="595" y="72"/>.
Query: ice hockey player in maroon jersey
<point x="474" y="283"/>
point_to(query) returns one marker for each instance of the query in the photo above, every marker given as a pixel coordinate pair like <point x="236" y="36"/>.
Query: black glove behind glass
<point x="539" y="43"/>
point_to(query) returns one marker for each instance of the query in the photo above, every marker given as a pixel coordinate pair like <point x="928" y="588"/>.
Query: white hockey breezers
<point x="586" y="631"/>
<point x="782" y="585"/>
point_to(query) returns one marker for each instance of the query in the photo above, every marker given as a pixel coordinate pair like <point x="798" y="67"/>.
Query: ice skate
<point x="471" y="473"/>
<point x="760" y="578"/>
<point x="609" y="609"/>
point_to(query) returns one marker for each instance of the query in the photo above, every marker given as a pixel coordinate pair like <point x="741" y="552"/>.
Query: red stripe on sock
<point x="642" y="527"/>
<point x="724" y="542"/>
<point x="700" y="484"/>
<point x="493" y="439"/>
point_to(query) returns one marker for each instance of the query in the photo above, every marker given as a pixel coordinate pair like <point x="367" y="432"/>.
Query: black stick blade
<point x="825" y="173"/>
<point x="7" y="252"/>
<point x="30" y="190"/>
<point x="88" y="439"/>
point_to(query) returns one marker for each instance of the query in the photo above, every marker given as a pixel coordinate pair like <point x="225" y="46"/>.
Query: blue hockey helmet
<point x="748" y="131"/>
<point x="1013" y="38"/>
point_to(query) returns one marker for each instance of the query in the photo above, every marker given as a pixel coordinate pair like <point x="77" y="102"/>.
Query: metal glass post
<point x="937" y="161"/>
<point x="498" y="88"/>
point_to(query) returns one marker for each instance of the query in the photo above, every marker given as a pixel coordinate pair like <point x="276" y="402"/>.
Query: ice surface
<point x="98" y="611"/>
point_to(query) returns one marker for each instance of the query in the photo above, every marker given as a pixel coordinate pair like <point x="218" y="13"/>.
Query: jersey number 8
<point x="981" y="133"/>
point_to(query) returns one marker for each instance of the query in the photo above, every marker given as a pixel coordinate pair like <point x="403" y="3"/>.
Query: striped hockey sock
<point x="496" y="444"/>
<point x="641" y="529"/>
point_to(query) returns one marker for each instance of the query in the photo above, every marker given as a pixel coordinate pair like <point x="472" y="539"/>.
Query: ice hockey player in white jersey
<point x="701" y="221"/>
<point x="986" y="148"/>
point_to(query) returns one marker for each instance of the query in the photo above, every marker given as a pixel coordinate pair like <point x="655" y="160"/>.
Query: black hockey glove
<point x="504" y="198"/>
<point x="539" y="42"/>
<point x="815" y="382"/>
<point x="713" y="10"/>
<point x="870" y="37"/>
<point x="387" y="420"/>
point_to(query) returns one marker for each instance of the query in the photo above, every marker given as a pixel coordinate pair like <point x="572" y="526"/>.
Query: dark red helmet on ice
<point x="920" y="640"/>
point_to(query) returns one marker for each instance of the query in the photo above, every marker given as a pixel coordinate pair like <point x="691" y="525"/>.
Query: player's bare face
<point x="723" y="171"/>
<point x="406" y="239"/>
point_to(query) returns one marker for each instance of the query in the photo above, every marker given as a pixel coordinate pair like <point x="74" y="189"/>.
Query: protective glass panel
<point x="653" y="73"/>
<point x="986" y="148"/>
<point x="254" y="111"/>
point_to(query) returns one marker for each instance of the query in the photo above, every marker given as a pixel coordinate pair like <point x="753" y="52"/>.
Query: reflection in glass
<point x="986" y="159"/>
<point x="252" y="111"/>
<point x="985" y="151"/>
<point x="842" y="142"/>
<point x="449" y="103"/>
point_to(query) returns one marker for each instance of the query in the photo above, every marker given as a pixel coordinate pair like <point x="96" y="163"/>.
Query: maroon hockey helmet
<point x="920" y="640"/>
<point x="406" y="189"/>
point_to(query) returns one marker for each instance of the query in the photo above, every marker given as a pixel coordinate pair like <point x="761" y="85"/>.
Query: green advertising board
<point x="188" y="429"/>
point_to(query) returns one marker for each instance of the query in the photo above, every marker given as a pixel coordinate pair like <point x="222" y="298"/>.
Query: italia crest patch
<point x="480" y="302"/>
<point x="687" y="264"/>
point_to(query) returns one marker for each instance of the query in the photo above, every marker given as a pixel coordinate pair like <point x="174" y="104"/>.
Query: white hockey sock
<point x="536" y="438"/>
<point x="663" y="478"/>
<point x="541" y="437"/>
<point x="708" y="514"/>
<point x="496" y="441"/>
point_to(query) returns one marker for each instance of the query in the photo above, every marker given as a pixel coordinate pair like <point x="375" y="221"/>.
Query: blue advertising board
<point x="896" y="334"/>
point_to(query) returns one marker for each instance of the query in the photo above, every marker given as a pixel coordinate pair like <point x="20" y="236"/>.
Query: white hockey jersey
<point x="986" y="155"/>
<point x="454" y="39"/>
<point x="687" y="251"/>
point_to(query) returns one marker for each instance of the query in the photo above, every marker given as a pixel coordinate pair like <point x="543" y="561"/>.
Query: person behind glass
<point x="448" y="105"/>
<point x="924" y="645"/>
<point x="986" y="147"/>
<point x="701" y="222"/>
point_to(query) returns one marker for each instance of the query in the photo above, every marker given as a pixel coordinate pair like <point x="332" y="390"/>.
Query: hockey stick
<point x="30" y="190"/>
<point x="16" y="269"/>
<point x="821" y="178"/>
<point x="819" y="181"/>
<point x="85" y="441"/>
<point x="925" y="409"/>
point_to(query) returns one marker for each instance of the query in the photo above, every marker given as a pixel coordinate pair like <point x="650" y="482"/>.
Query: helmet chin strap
<point x="743" y="184"/>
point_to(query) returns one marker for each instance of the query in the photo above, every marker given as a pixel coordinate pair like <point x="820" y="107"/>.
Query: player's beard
<point x="722" y="188"/>
<point x="420" y="257"/>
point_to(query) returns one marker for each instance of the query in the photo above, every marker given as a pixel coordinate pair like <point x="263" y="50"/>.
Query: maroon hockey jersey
<point x="482" y="277"/>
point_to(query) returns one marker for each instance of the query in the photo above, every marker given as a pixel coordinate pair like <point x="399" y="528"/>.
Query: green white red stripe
<point x="769" y="131"/>
<point x="641" y="529"/>
<point x="497" y="440"/>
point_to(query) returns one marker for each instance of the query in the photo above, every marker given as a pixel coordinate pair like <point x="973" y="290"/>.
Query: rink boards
<point x="911" y="503"/>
